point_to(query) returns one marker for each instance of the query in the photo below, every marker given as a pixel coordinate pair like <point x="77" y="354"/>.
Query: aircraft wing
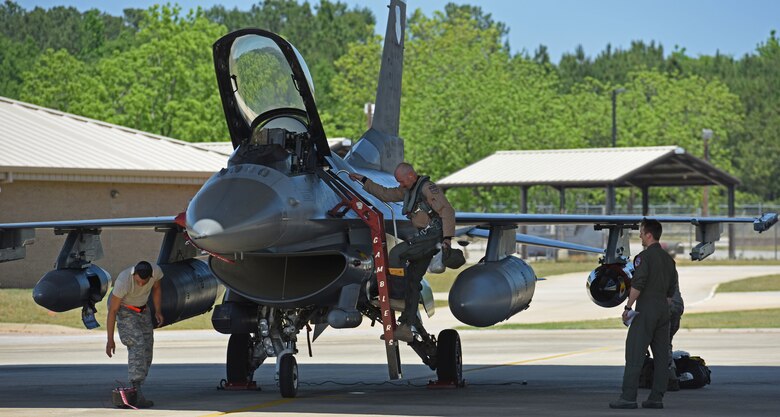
<point x="501" y="230"/>
<point x="760" y="224"/>
<point x="93" y="223"/>
<point x="14" y="237"/>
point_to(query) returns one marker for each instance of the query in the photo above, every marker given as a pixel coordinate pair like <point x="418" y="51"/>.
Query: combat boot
<point x="403" y="332"/>
<point x="673" y="384"/>
<point x="621" y="403"/>
<point x="141" y="401"/>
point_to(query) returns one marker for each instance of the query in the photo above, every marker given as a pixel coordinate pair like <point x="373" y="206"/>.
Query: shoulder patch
<point x="637" y="261"/>
<point x="433" y="188"/>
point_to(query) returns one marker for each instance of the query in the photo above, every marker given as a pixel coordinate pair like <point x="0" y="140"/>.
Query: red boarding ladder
<point x="372" y="217"/>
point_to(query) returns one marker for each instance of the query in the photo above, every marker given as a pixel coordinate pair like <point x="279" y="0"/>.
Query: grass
<point x="764" y="283"/>
<point x="442" y="282"/>
<point x="764" y="318"/>
<point x="684" y="260"/>
<point x="543" y="268"/>
<point x="17" y="306"/>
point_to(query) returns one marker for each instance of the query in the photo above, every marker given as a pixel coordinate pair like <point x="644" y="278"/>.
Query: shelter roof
<point x="42" y="144"/>
<point x="589" y="168"/>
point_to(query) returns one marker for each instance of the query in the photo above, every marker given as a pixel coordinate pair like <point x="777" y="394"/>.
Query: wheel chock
<point x="447" y="384"/>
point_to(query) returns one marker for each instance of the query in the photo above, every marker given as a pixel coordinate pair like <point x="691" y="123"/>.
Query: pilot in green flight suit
<point x="433" y="216"/>
<point x="652" y="286"/>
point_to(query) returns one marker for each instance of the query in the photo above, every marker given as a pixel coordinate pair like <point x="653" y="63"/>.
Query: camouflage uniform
<point x="655" y="276"/>
<point x="137" y="333"/>
<point x="415" y="254"/>
<point x="136" y="330"/>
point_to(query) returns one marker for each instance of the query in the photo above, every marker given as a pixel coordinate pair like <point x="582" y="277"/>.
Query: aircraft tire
<point x="288" y="376"/>
<point x="238" y="369"/>
<point x="449" y="358"/>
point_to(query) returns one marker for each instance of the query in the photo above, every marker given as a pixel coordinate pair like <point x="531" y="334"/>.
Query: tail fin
<point x="380" y="147"/>
<point x="388" y="92"/>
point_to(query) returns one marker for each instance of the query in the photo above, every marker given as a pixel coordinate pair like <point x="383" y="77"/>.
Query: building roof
<point x="41" y="144"/>
<point x="589" y="168"/>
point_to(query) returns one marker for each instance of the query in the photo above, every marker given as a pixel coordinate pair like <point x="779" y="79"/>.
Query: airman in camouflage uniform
<point x="652" y="287"/>
<point x="127" y="309"/>
<point x="433" y="216"/>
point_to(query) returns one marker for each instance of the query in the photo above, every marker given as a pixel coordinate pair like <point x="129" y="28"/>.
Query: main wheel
<point x="288" y="376"/>
<point x="238" y="354"/>
<point x="449" y="360"/>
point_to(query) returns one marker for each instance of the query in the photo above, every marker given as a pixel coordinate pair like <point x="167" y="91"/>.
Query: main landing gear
<point x="449" y="361"/>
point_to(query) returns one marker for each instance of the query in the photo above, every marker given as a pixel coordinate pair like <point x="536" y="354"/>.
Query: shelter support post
<point x="732" y="212"/>
<point x="645" y="200"/>
<point x="524" y="210"/>
<point x="610" y="199"/>
<point x="562" y="210"/>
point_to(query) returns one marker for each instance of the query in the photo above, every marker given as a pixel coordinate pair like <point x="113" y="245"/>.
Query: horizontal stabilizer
<point x="540" y="241"/>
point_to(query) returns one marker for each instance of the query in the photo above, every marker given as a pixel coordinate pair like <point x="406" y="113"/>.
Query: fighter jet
<point x="297" y="244"/>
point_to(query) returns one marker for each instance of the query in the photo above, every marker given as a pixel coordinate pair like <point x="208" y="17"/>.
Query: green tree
<point x="58" y="80"/>
<point x="320" y="34"/>
<point x="164" y="85"/>
<point x="15" y="58"/>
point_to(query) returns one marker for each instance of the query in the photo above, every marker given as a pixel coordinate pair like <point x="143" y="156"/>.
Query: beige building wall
<point x="25" y="201"/>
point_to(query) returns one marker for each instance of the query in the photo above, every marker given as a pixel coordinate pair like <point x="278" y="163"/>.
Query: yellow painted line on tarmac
<point x="282" y="401"/>
<point x="268" y="404"/>
<point x="544" y="358"/>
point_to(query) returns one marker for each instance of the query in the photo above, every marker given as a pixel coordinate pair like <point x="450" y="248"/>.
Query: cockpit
<point x="268" y="97"/>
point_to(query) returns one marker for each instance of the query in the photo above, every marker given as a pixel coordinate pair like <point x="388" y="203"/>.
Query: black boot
<point x="141" y="401"/>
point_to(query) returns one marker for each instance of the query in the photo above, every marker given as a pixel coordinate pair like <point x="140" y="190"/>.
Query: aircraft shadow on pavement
<point x="364" y="389"/>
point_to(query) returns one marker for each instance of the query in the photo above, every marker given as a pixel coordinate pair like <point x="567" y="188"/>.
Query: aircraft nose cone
<point x="204" y="228"/>
<point x="233" y="213"/>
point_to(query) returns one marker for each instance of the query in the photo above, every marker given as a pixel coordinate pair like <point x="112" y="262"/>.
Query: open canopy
<point x="264" y="82"/>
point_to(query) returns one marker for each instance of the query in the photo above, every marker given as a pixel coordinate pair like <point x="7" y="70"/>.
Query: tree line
<point x="466" y="95"/>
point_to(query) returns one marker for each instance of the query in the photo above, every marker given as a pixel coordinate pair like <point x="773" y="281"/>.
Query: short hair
<point x="405" y="168"/>
<point x="143" y="269"/>
<point x="653" y="227"/>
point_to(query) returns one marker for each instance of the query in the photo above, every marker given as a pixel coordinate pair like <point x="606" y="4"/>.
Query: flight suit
<point x="415" y="254"/>
<point x="676" y="309"/>
<point x="655" y="276"/>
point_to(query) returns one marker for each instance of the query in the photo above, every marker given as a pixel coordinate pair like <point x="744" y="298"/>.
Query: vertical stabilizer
<point x="388" y="92"/>
<point x="380" y="148"/>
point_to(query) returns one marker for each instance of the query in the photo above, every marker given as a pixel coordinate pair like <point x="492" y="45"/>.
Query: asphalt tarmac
<point x="57" y="372"/>
<point x="508" y="373"/>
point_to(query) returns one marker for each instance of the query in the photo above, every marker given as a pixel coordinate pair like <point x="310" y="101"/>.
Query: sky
<point x="702" y="27"/>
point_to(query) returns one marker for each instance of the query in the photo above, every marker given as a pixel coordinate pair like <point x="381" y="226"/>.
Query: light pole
<point x="611" y="188"/>
<point x="706" y="135"/>
<point x="615" y="92"/>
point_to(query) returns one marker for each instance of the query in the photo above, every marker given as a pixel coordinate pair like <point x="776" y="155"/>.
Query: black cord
<point x="363" y="383"/>
<point x="405" y="383"/>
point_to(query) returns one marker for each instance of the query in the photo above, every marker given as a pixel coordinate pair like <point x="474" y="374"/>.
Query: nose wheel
<point x="288" y="376"/>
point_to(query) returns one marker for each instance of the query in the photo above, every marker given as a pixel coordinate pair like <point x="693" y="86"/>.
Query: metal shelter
<point x="641" y="167"/>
